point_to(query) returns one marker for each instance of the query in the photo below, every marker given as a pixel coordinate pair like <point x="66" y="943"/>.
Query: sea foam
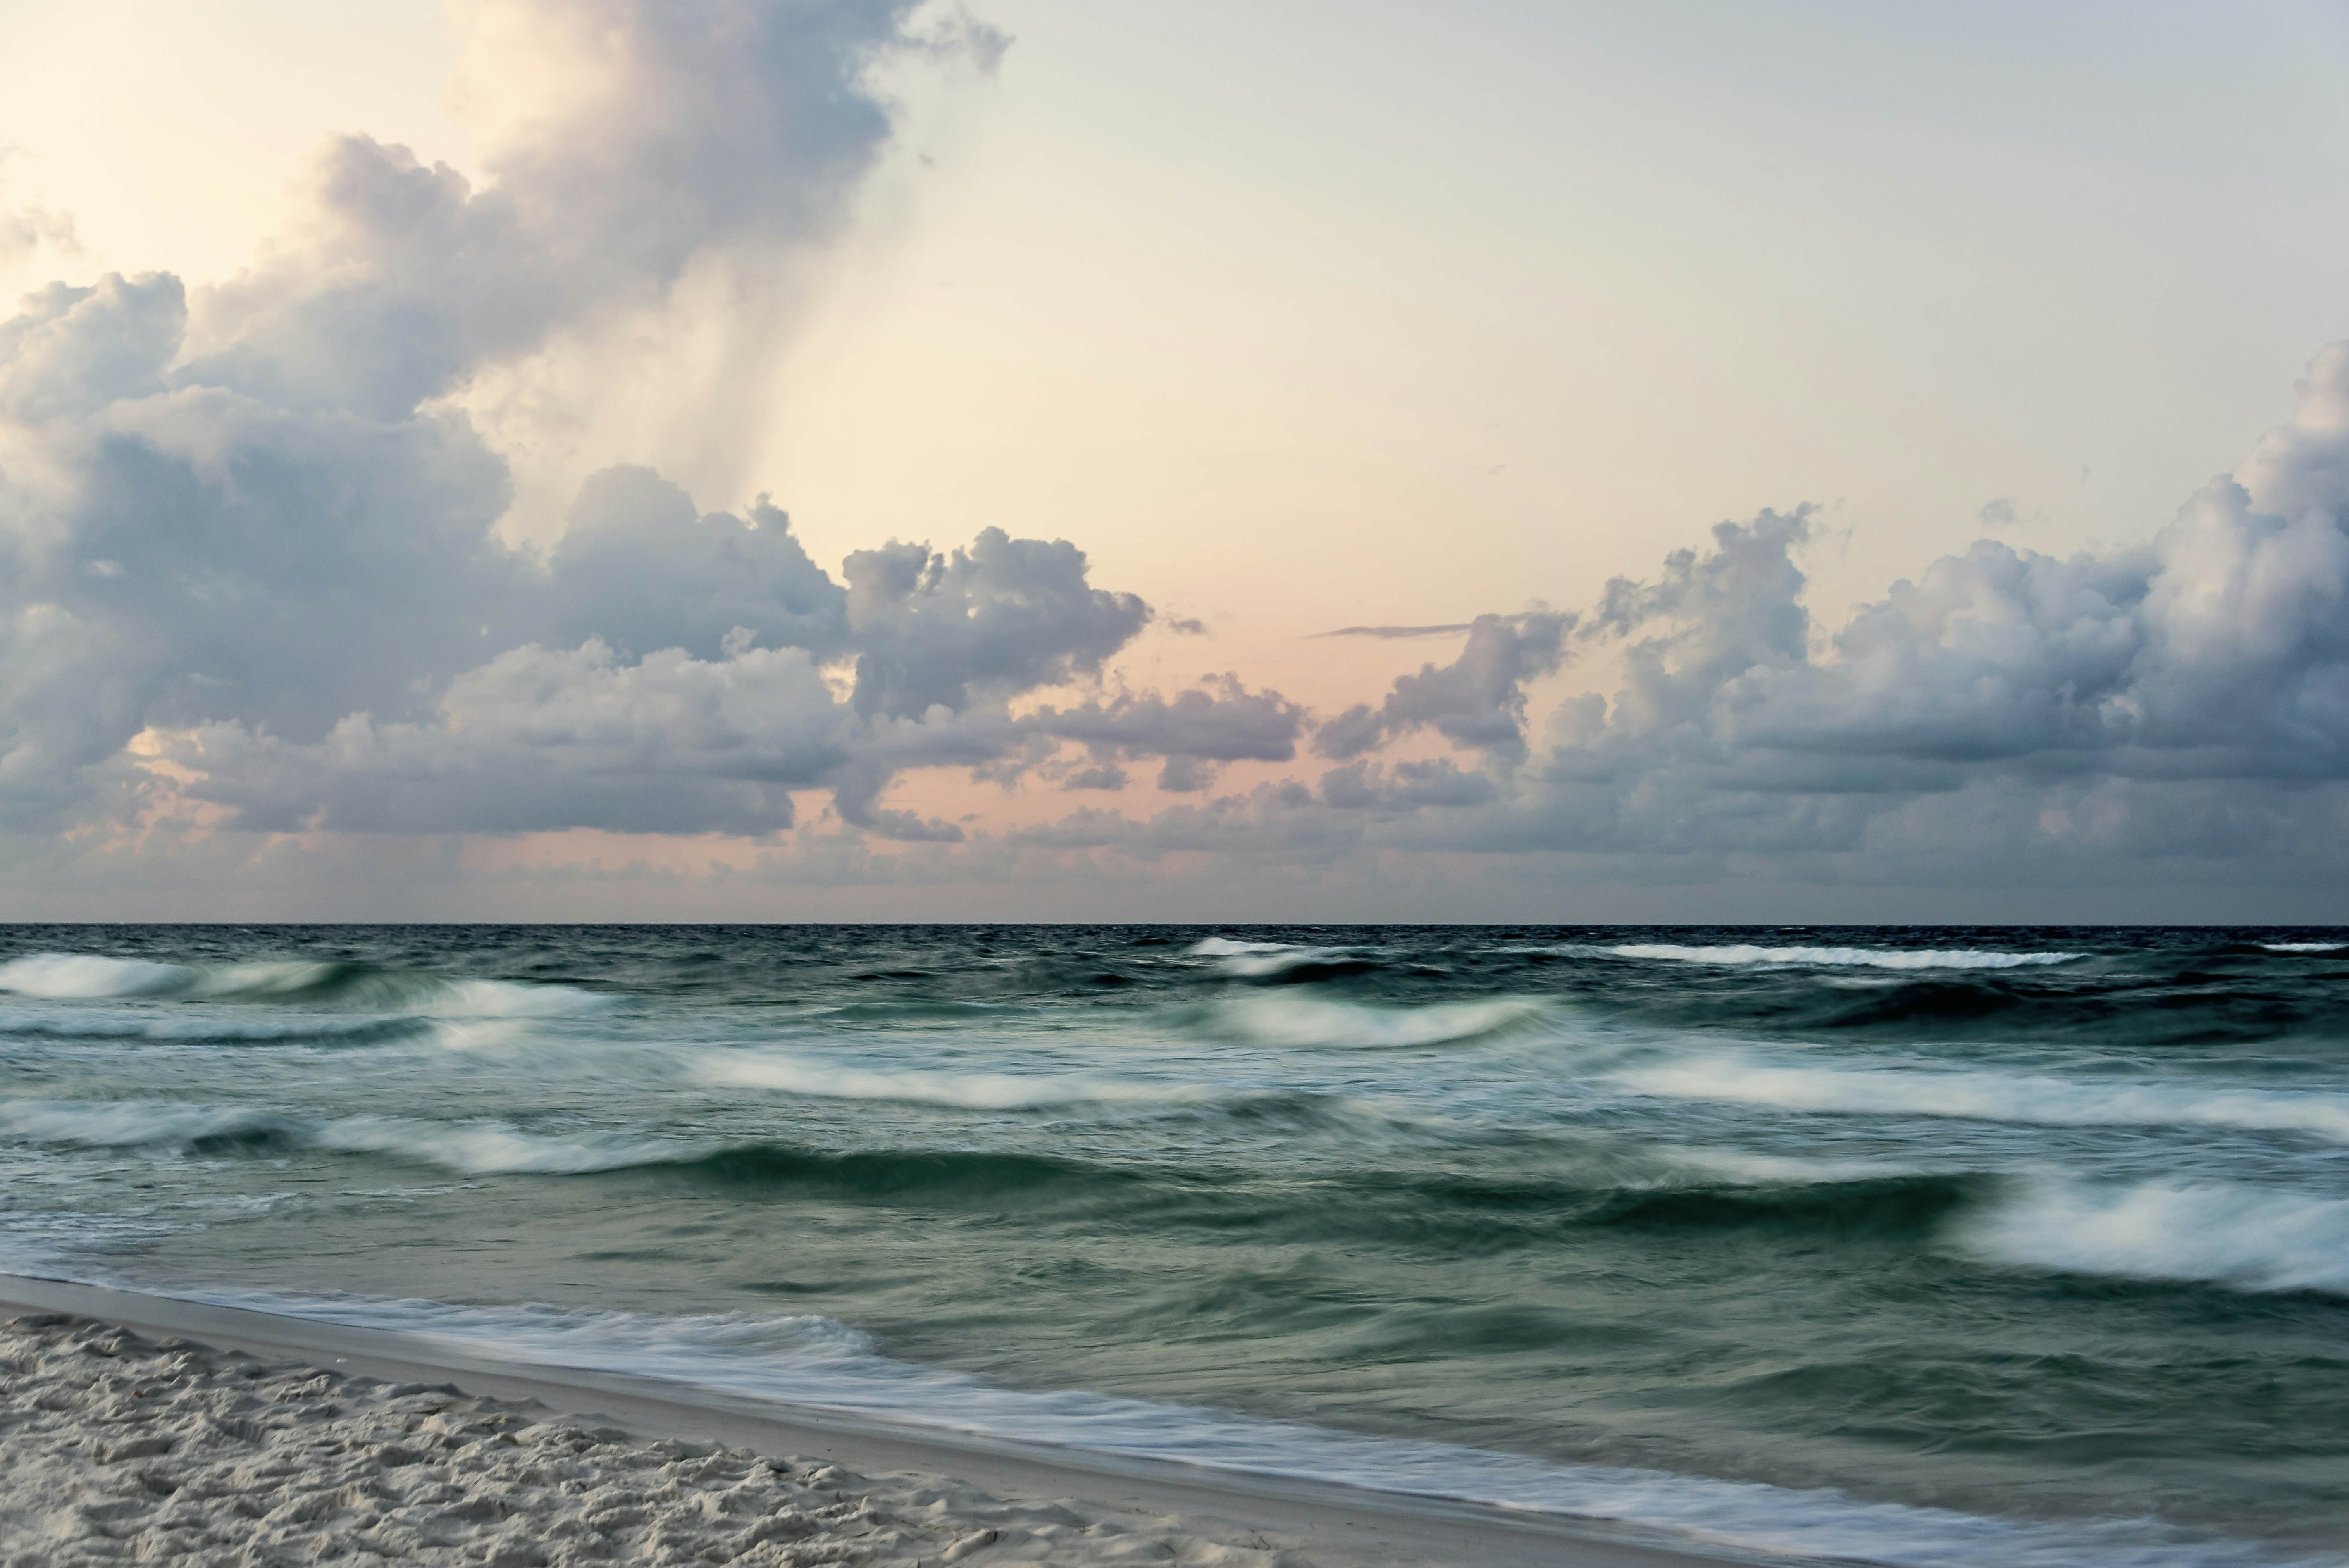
<point x="926" y="1085"/>
<point x="1261" y="960"/>
<point x="2246" y="1237"/>
<point x="1993" y="1096"/>
<point x="97" y="978"/>
<point x="1297" y="1020"/>
<point x="1868" y="957"/>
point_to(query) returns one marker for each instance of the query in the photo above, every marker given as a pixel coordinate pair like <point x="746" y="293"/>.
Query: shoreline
<point x="1128" y="1507"/>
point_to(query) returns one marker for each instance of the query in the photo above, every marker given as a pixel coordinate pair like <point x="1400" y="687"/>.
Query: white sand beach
<point x="136" y="1429"/>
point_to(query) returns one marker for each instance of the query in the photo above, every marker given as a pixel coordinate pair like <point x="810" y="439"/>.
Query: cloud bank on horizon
<point x="255" y="592"/>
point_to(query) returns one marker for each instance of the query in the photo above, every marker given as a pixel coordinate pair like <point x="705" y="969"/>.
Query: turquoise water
<point x="1916" y="1245"/>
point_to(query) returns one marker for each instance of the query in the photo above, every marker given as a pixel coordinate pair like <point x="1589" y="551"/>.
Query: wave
<point x="1895" y="1206"/>
<point x="90" y="977"/>
<point x="507" y="999"/>
<point x="811" y="1361"/>
<point x="203" y="1028"/>
<point x="96" y="978"/>
<point x="1225" y="947"/>
<point x="490" y="1148"/>
<point x="1290" y="1020"/>
<point x="1283" y="960"/>
<point x="1869" y="957"/>
<point x="480" y="1148"/>
<point x="2304" y="946"/>
<point x="1994" y="1097"/>
<point x="929" y="1086"/>
<point x="2246" y="1238"/>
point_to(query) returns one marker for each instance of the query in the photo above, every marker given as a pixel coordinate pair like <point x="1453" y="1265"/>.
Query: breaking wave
<point x="469" y="1148"/>
<point x="95" y="977"/>
<point x="929" y="1086"/>
<point x="2248" y="1237"/>
<point x="1868" y="957"/>
<point x="1294" y="1020"/>
<point x="1994" y="1097"/>
<point x="1278" y="960"/>
<point x="90" y="977"/>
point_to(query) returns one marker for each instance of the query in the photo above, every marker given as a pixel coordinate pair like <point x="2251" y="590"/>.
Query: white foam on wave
<point x="2304" y="946"/>
<point x="62" y="976"/>
<point x="475" y="1147"/>
<point x="1257" y="960"/>
<point x="92" y="976"/>
<point x="491" y="1148"/>
<point x="125" y="1124"/>
<point x="2248" y="1237"/>
<point x="812" y="1361"/>
<point x="509" y="999"/>
<point x="1294" y="1020"/>
<point x="95" y="977"/>
<point x="1225" y="947"/>
<point x="1993" y="1096"/>
<point x="1866" y="957"/>
<point x="926" y="1086"/>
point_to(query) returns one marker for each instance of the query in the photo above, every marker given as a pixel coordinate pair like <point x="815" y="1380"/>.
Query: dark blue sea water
<point x="1913" y="1246"/>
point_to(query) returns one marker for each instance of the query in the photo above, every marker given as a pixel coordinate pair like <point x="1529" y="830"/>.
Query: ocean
<point x="1903" y="1245"/>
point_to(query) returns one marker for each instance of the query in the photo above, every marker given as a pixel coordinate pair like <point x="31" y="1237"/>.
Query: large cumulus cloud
<point x="250" y="529"/>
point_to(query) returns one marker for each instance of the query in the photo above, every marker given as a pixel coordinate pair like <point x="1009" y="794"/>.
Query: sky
<point x="860" y="459"/>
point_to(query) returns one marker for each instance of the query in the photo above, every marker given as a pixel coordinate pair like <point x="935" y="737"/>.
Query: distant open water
<point x="1927" y="1245"/>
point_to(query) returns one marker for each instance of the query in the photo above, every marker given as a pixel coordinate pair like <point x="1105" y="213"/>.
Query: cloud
<point x="622" y="139"/>
<point x="248" y="528"/>
<point x="25" y="231"/>
<point x="1392" y="632"/>
<point x="641" y="569"/>
<point x="1477" y="700"/>
<point x="2176" y="711"/>
<point x="243" y="506"/>
<point x="1003" y="617"/>
<point x="539" y="738"/>
<point x="253" y="581"/>
<point x="1217" y="722"/>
